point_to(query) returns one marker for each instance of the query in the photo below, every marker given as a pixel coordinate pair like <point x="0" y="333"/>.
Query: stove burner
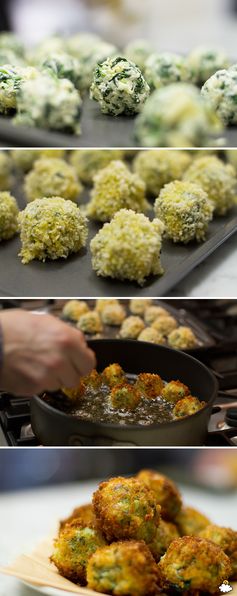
<point x="231" y="417"/>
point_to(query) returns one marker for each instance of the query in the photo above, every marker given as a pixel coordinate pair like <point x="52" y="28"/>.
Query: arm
<point x="40" y="352"/>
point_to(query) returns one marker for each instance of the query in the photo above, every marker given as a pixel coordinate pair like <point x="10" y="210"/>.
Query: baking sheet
<point x="98" y="130"/>
<point x="74" y="277"/>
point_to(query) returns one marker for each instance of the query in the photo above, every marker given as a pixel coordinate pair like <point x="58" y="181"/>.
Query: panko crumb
<point x="90" y="323"/>
<point x="157" y="168"/>
<point x="113" y="314"/>
<point x="74" y="309"/>
<point x="217" y="179"/>
<point x="137" y="306"/>
<point x="102" y="303"/>
<point x="8" y="216"/>
<point x="52" y="177"/>
<point x="164" y="324"/>
<point x="114" y="255"/>
<point x="153" y="312"/>
<point x="182" y="338"/>
<point x="87" y="162"/>
<point x="151" y="335"/>
<point x="132" y="327"/>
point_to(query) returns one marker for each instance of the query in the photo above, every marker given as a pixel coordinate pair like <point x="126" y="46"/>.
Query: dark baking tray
<point x="74" y="277"/>
<point x="98" y="130"/>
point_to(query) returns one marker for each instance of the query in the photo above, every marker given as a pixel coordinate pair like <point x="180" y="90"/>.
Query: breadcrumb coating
<point x="157" y="168"/>
<point x="115" y="188"/>
<point x="217" y="179"/>
<point x="113" y="375"/>
<point x="174" y="391"/>
<point x="25" y="158"/>
<point x="8" y="216"/>
<point x="176" y="116"/>
<point x="51" y="229"/>
<point x="113" y="314"/>
<point x="6" y="179"/>
<point x="73" y="309"/>
<point x="186" y="211"/>
<point x="90" y="322"/>
<point x="87" y="162"/>
<point x="225" y="538"/>
<point x="131" y="327"/>
<point x="119" y="87"/>
<point x="102" y="303"/>
<point x="124" y="397"/>
<point x="149" y="384"/>
<point x="182" y="338"/>
<point x="153" y="312"/>
<point x="164" y="68"/>
<point x="187" y="406"/>
<point x="83" y="513"/>
<point x="190" y="521"/>
<point x="51" y="178"/>
<point x="137" y="306"/>
<point x="164" y="324"/>
<point x="165" y="534"/>
<point x="151" y="335"/>
<point x="165" y="491"/>
<point x="114" y="255"/>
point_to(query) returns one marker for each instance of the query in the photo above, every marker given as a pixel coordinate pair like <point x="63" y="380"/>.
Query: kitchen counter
<point x="27" y="517"/>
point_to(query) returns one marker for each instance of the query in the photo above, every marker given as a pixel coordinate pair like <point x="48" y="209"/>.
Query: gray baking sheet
<point x="74" y="277"/>
<point x="98" y="130"/>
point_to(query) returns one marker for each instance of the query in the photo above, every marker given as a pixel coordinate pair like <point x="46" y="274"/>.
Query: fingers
<point x="82" y="358"/>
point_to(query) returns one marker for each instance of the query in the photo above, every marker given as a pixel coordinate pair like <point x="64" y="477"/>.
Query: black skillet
<point x="54" y="427"/>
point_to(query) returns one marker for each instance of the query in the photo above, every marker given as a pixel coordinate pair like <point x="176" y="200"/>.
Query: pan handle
<point x="226" y="406"/>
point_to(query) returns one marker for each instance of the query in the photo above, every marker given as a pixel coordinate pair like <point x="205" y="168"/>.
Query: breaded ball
<point x="131" y="327"/>
<point x="6" y="179"/>
<point x="87" y="162"/>
<point x="138" y="50"/>
<point x="124" y="397"/>
<point x="91" y="381"/>
<point x="166" y="492"/>
<point x="102" y="303"/>
<point x="119" y="87"/>
<point x="90" y="322"/>
<point x="165" y="68"/>
<point x="115" y="188"/>
<point x="165" y="534"/>
<point x="204" y="61"/>
<point x="74" y="309"/>
<point x="225" y="538"/>
<point x="217" y="179"/>
<point x="157" y="168"/>
<point x="153" y="312"/>
<point x="187" y="406"/>
<point x="174" y="391"/>
<point x="113" y="375"/>
<point x="122" y="569"/>
<point x="149" y="384"/>
<point x="185" y="209"/>
<point x="115" y="256"/>
<point x="126" y="509"/>
<point x="24" y="159"/>
<point x="51" y="229"/>
<point x="182" y="338"/>
<point x="164" y="325"/>
<point x="137" y="306"/>
<point x="83" y="513"/>
<point x="113" y="314"/>
<point x="8" y="216"/>
<point x="192" y="563"/>
<point x="50" y="178"/>
<point x="176" y="116"/>
<point x="73" y="548"/>
<point x="151" y="335"/>
<point x="190" y="521"/>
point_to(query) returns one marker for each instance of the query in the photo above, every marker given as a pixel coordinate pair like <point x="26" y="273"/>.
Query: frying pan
<point x="54" y="427"/>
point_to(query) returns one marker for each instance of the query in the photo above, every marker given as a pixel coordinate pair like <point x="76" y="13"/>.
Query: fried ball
<point x="84" y="513"/>
<point x="119" y="87"/>
<point x="149" y="384"/>
<point x="113" y="314"/>
<point x="165" y="534"/>
<point x="226" y="539"/>
<point x="137" y="306"/>
<point x="192" y="563"/>
<point x="164" y="325"/>
<point x="57" y="104"/>
<point x="25" y="158"/>
<point x="124" y="397"/>
<point x="113" y="375"/>
<point x="185" y="209"/>
<point x="153" y="312"/>
<point x="123" y="568"/>
<point x="182" y="338"/>
<point x="8" y="216"/>
<point x="151" y="335"/>
<point x="51" y="229"/>
<point x="157" y="168"/>
<point x="91" y="381"/>
<point x="73" y="548"/>
<point x="115" y="188"/>
<point x="115" y="256"/>
<point x="220" y="92"/>
<point x="90" y="322"/>
<point x="126" y="509"/>
<point x="87" y="162"/>
<point x="176" y="116"/>
<point x="190" y="521"/>
<point x="138" y="50"/>
<point x="187" y="406"/>
<point x="174" y="391"/>
<point x="132" y="327"/>
<point x="74" y="309"/>
<point x="165" y="491"/>
<point x="52" y="177"/>
<point x="165" y="68"/>
<point x="102" y="303"/>
<point x="6" y="179"/>
<point x="204" y="61"/>
<point x="217" y="179"/>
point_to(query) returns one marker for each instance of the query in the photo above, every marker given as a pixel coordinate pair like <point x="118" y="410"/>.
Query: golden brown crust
<point x="84" y="513"/>
<point x="166" y="492"/>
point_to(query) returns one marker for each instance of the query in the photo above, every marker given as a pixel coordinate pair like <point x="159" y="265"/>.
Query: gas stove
<point x="219" y="317"/>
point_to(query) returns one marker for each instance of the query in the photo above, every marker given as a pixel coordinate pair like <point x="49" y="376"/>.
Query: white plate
<point x="48" y="591"/>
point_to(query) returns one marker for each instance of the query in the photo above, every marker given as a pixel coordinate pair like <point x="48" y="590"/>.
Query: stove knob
<point x="231" y="416"/>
